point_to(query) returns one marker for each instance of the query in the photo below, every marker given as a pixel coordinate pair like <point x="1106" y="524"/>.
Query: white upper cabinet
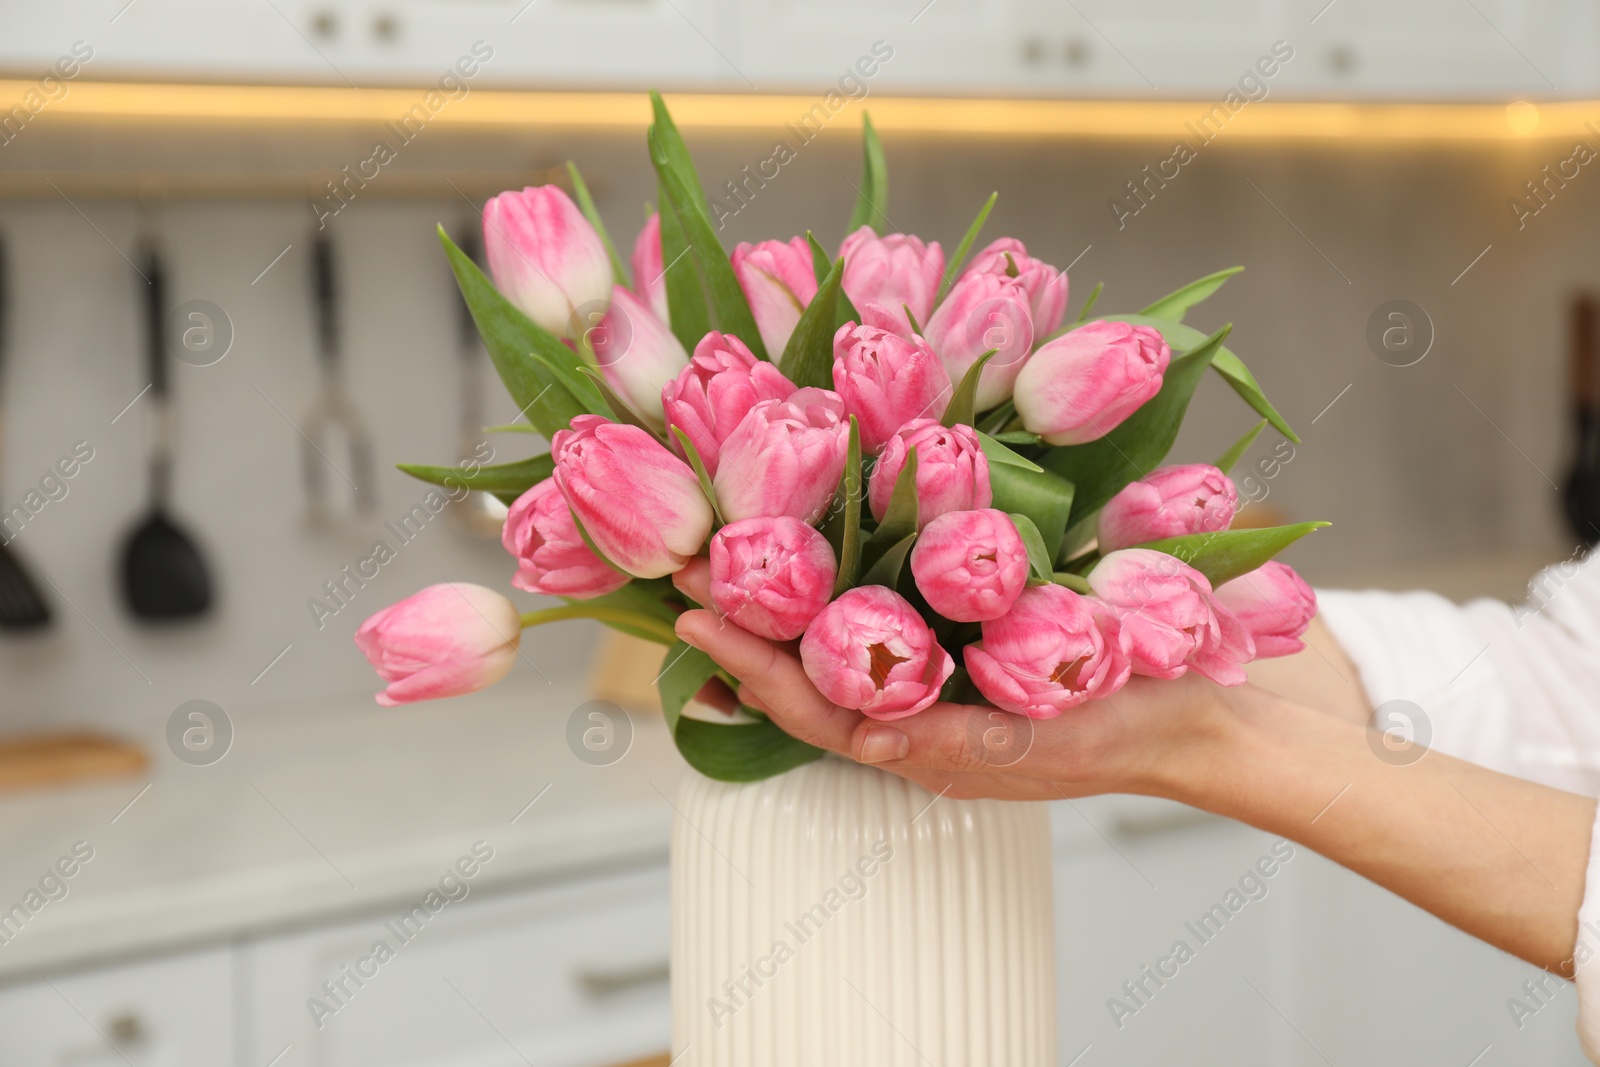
<point x="1191" y="49"/>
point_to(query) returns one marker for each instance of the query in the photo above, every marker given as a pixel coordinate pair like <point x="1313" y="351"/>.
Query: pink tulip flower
<point x="886" y="381"/>
<point x="710" y="396"/>
<point x="1046" y="286"/>
<point x="649" y="275"/>
<point x="1275" y="605"/>
<point x="1052" y="651"/>
<point x="771" y="576"/>
<point x="1081" y="386"/>
<point x="984" y="311"/>
<point x="870" y="651"/>
<point x="1169" y="502"/>
<point x="445" y="641"/>
<point x="952" y="471"/>
<point x="894" y="271"/>
<point x="970" y="565"/>
<point x="784" y="458"/>
<point x="888" y="321"/>
<point x="637" y="354"/>
<point x="551" y="556"/>
<point x="1169" y="618"/>
<point x="641" y="505"/>
<point x="778" y="281"/>
<point x="546" y="258"/>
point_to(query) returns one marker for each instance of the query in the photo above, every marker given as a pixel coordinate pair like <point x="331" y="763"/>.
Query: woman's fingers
<point x="694" y="581"/>
<point x="776" y="679"/>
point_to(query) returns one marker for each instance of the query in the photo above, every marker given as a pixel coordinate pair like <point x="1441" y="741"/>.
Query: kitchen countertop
<point x="318" y="812"/>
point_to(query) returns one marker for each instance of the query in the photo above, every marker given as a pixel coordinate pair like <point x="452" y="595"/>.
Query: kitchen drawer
<point x="171" y="1012"/>
<point x="565" y="976"/>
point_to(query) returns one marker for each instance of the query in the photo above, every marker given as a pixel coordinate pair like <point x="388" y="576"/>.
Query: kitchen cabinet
<point x="373" y="43"/>
<point x="573" y="975"/>
<point x="1370" y="49"/>
<point x="175" y="1011"/>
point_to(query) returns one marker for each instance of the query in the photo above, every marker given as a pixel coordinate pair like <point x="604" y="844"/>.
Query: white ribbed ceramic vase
<point x="840" y="916"/>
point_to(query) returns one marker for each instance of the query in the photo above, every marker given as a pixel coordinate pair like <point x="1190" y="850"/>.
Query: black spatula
<point x="21" y="606"/>
<point x="163" y="573"/>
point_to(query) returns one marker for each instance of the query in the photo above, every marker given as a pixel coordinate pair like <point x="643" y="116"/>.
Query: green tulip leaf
<point x="512" y="427"/>
<point x="1088" y="306"/>
<point x="820" y="266"/>
<point x="1099" y="469"/>
<point x="682" y="187"/>
<point x="872" y="199"/>
<point x="502" y="479"/>
<point x="574" y="375"/>
<point x="1040" y="568"/>
<point x="510" y="336"/>
<point x="687" y="313"/>
<point x="900" y="517"/>
<point x="1236" y="451"/>
<point x="886" y="571"/>
<point x="952" y="269"/>
<point x="808" y="357"/>
<point x="1175" y="304"/>
<point x="699" y="472"/>
<point x="1027" y="489"/>
<point x="959" y="411"/>
<point x="1232" y="369"/>
<point x="619" y="271"/>
<point x="1227" y="554"/>
<point x="744" y="752"/>
<point x="995" y="451"/>
<point x="842" y="525"/>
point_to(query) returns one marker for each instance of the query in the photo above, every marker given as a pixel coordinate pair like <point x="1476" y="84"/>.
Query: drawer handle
<point x="604" y="982"/>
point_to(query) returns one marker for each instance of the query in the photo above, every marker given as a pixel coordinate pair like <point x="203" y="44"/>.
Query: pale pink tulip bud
<point x="1046" y="286"/>
<point x="1275" y="605"/>
<point x="870" y="651"/>
<point x="445" y="641"/>
<point x="551" y="556"/>
<point x="1052" y="651"/>
<point x="1169" y="502"/>
<point x="784" y="458"/>
<point x="546" y="258"/>
<point x="710" y="396"/>
<point x="1169" y="618"/>
<point x="983" y="312"/>
<point x="970" y="565"/>
<point x="771" y="576"/>
<point x="637" y="354"/>
<point x="888" y="321"/>
<point x="641" y="505"/>
<point x="886" y="381"/>
<point x="1081" y="386"/>
<point x="778" y="281"/>
<point x="892" y="271"/>
<point x="952" y="471"/>
<point x="649" y="274"/>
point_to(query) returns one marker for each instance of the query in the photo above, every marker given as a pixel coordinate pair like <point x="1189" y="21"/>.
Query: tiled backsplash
<point x="1448" y="456"/>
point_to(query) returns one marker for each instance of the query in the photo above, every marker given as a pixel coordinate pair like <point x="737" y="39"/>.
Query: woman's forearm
<point x="1501" y="858"/>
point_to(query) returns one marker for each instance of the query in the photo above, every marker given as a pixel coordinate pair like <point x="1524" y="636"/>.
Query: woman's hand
<point x="1134" y="742"/>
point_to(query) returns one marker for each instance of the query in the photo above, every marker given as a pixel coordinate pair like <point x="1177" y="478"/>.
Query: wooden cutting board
<point x="33" y="760"/>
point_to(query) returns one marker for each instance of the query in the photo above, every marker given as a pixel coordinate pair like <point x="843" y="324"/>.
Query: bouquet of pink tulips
<point x="928" y="476"/>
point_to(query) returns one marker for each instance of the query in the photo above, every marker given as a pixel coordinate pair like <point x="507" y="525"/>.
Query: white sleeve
<point x="1515" y="689"/>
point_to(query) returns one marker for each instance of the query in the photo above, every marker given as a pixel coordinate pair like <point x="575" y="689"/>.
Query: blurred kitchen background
<point x="1434" y="153"/>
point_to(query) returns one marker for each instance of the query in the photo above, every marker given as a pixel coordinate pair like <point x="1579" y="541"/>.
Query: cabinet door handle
<point x="606" y="981"/>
